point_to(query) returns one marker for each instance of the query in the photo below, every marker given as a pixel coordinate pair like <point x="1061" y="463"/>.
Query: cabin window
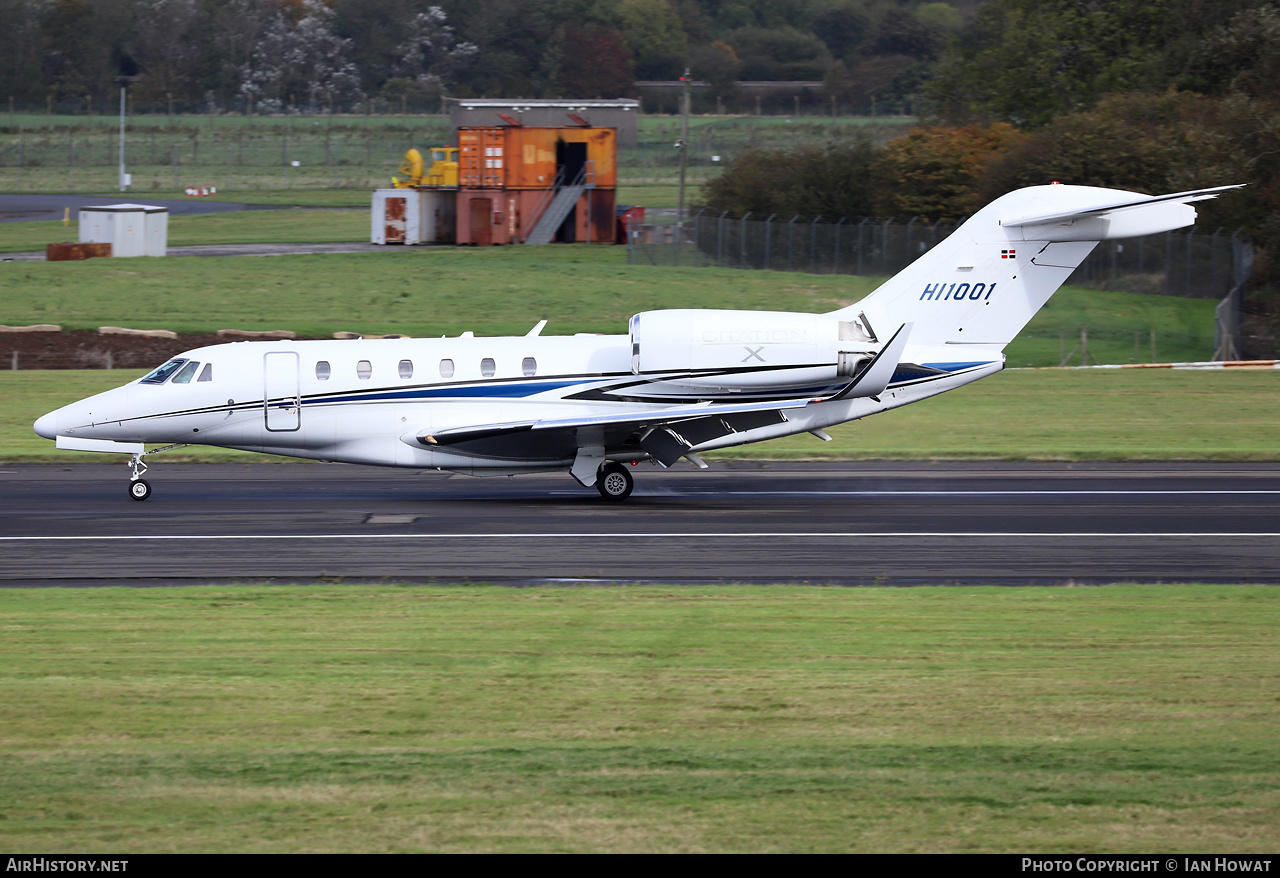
<point x="186" y="373"/>
<point x="162" y="374"/>
<point x="446" y="368"/>
<point x="529" y="366"/>
<point x="406" y="369"/>
<point x="487" y="367"/>
<point x="207" y="374"/>
<point x="322" y="370"/>
<point x="364" y="369"/>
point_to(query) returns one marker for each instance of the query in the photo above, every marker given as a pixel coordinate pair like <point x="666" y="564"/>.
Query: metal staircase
<point x="556" y="212"/>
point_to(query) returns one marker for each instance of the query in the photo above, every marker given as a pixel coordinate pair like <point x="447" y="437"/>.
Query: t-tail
<point x="986" y="281"/>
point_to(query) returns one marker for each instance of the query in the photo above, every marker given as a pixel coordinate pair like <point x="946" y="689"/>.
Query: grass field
<point x="419" y="291"/>
<point x="751" y="719"/>
<point x="1016" y="415"/>
<point x="501" y="290"/>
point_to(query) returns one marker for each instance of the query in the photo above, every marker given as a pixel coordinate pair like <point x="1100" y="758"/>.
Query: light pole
<point x="125" y="181"/>
<point x="684" y="152"/>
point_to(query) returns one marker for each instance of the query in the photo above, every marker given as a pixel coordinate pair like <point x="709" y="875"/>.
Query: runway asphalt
<point x="838" y="523"/>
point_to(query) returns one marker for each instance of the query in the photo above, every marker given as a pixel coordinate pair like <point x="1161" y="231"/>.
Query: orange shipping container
<point x="530" y="158"/>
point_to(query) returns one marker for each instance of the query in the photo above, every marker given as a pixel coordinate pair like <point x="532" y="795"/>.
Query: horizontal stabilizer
<point x="1145" y="215"/>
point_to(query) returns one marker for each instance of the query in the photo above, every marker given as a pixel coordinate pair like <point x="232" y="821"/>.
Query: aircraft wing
<point x="666" y="433"/>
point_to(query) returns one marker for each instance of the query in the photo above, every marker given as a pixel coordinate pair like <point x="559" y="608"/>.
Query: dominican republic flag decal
<point x="1008" y="254"/>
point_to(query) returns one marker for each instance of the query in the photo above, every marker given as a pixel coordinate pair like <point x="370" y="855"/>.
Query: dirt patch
<point x="86" y="349"/>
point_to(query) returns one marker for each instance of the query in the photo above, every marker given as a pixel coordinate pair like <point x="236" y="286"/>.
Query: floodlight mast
<point x="686" y="80"/>
<point x="124" y="84"/>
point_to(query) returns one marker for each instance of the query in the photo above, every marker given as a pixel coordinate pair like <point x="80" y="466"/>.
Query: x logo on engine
<point x="753" y="353"/>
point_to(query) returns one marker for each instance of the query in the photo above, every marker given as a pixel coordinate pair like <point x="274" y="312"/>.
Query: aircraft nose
<point x="46" y="426"/>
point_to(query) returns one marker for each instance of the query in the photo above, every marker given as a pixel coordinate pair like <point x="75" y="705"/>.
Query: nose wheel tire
<point x="614" y="482"/>
<point x="140" y="489"/>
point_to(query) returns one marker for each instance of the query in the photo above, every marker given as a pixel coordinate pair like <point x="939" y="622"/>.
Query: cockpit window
<point x="207" y="374"/>
<point x="161" y="375"/>
<point x="186" y="373"/>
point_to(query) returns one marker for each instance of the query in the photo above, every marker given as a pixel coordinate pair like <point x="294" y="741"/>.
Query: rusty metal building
<point x="536" y="185"/>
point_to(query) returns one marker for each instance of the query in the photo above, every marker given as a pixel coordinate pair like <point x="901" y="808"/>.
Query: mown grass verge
<point x="418" y="291"/>
<point x="333" y="718"/>
<point x="505" y="290"/>
<point x="1015" y="415"/>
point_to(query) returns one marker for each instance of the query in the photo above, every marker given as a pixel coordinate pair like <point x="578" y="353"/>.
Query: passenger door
<point x="282" y="401"/>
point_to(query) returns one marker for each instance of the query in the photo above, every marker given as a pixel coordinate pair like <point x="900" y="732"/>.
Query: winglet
<point x="536" y="331"/>
<point x="879" y="372"/>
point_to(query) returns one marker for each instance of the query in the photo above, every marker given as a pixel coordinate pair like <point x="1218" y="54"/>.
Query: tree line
<point x="310" y="55"/>
<point x="1152" y="96"/>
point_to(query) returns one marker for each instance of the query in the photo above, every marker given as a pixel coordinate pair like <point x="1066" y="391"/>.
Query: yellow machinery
<point x="443" y="172"/>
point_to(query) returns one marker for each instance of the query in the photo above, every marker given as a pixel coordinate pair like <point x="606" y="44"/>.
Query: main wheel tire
<point x="614" y="482"/>
<point x="139" y="489"/>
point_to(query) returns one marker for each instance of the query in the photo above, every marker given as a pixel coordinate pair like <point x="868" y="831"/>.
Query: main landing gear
<point x="614" y="482"/>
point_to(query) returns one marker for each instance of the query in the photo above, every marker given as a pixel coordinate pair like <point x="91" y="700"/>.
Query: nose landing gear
<point x="140" y="488"/>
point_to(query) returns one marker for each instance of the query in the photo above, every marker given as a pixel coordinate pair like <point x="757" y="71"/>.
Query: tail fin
<point x="986" y="281"/>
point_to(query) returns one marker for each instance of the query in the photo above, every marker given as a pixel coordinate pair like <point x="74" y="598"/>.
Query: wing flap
<point x="686" y="426"/>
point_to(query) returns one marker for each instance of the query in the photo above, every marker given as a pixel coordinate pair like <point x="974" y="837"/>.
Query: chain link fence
<point x="163" y="155"/>
<point x="1187" y="264"/>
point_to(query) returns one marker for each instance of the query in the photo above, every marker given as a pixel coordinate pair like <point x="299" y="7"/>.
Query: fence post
<point x="813" y="243"/>
<point x="886" y="265"/>
<point x="835" y="256"/>
<point x="1187" y="274"/>
<point x="865" y="219"/>
<point x="768" y="230"/>
<point x="742" y="240"/>
<point x="1213" y="254"/>
<point x="1142" y="242"/>
<point x="697" y="235"/>
<point x="1168" y="263"/>
<point x="720" y="239"/>
<point x="791" y="243"/>
<point x="911" y="223"/>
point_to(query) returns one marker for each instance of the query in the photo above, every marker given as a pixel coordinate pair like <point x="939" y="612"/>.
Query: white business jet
<point x="680" y="383"/>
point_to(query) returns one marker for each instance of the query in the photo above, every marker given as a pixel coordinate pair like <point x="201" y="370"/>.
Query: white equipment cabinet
<point x="130" y="229"/>
<point x="414" y="216"/>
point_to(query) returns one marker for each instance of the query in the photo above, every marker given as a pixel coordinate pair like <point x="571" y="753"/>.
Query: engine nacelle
<point x="747" y="349"/>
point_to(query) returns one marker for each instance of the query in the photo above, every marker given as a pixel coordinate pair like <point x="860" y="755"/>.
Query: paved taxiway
<point x="28" y="206"/>
<point x="853" y="523"/>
